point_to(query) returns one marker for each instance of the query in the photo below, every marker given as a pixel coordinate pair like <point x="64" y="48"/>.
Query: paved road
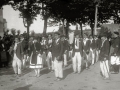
<point x="87" y="80"/>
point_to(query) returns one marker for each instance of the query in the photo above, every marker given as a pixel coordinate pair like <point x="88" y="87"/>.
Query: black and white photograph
<point x="59" y="44"/>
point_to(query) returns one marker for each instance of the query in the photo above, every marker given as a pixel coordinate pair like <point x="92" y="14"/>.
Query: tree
<point x="28" y="11"/>
<point x="66" y="8"/>
<point x="114" y="5"/>
<point x="3" y="2"/>
<point x="80" y="11"/>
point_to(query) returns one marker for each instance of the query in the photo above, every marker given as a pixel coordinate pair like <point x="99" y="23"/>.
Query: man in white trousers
<point x="57" y="53"/>
<point x="92" y="49"/>
<point x="98" y="43"/>
<point x="104" y="57"/>
<point x="65" y="49"/>
<point x="49" y="54"/>
<point x="77" y="53"/>
<point x="24" y="46"/>
<point x="16" y="51"/>
<point x="70" y="41"/>
<point x="86" y="49"/>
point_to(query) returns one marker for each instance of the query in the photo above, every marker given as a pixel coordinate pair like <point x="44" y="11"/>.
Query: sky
<point x="14" y="21"/>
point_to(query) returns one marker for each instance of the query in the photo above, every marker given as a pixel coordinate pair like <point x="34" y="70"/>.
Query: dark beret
<point x="103" y="35"/>
<point x="62" y="35"/>
<point x="76" y="33"/>
<point x="117" y="33"/>
<point x="58" y="33"/>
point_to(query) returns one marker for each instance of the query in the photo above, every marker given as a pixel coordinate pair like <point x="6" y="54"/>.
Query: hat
<point x="62" y="35"/>
<point x="35" y="38"/>
<point x="103" y="35"/>
<point x="85" y="34"/>
<point x="117" y="33"/>
<point x="58" y="33"/>
<point x="44" y="35"/>
<point x="21" y="35"/>
<point x="90" y="36"/>
<point x="77" y="32"/>
<point x="49" y="35"/>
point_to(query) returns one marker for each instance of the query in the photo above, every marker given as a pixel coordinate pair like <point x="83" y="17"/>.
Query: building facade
<point x="3" y="23"/>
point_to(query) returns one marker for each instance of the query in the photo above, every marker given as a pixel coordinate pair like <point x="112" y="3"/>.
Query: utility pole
<point x="95" y="26"/>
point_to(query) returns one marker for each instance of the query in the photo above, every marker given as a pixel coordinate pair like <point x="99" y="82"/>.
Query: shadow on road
<point x="9" y="71"/>
<point x="44" y="71"/>
<point x="6" y="71"/>
<point x="24" y="88"/>
<point x="66" y="72"/>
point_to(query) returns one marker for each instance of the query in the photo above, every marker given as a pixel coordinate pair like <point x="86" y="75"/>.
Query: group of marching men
<point x="52" y="51"/>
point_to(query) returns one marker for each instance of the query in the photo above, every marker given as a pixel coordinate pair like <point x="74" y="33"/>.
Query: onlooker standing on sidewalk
<point x="1" y="48"/>
<point x="115" y="53"/>
<point x="57" y="52"/>
<point x="104" y="57"/>
<point x="77" y="53"/>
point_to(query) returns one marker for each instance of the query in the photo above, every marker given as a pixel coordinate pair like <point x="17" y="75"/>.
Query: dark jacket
<point x="19" y="51"/>
<point x="92" y="44"/>
<point x="104" y="51"/>
<point x="65" y="45"/>
<point x="57" y="50"/>
<point x="86" y="47"/>
<point x="35" y="49"/>
<point x="116" y="46"/>
<point x="80" y="48"/>
<point x="24" y="46"/>
<point x="98" y="43"/>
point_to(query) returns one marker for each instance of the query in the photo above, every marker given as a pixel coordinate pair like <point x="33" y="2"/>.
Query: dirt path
<point x="87" y="80"/>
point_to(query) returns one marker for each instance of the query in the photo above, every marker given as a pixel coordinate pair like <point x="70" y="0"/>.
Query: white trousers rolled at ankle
<point x="104" y="68"/>
<point x="58" y="68"/>
<point x="77" y="62"/>
<point x="17" y="65"/>
<point x="65" y="59"/>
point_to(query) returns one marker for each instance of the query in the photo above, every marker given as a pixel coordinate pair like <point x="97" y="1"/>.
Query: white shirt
<point x="76" y="46"/>
<point x="50" y="41"/>
<point x="15" y="47"/>
<point x="43" y="42"/>
<point x="103" y="42"/>
<point x="57" y="40"/>
<point x="85" y="40"/>
<point x="71" y="37"/>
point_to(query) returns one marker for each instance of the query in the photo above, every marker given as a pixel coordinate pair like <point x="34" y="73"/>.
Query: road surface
<point x="87" y="80"/>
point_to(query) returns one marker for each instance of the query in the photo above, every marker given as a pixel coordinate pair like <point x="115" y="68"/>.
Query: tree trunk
<point x="45" y="25"/>
<point x="28" y="31"/>
<point x="63" y="27"/>
<point x="81" y="29"/>
<point x="92" y="28"/>
<point x="67" y="28"/>
<point x="76" y="26"/>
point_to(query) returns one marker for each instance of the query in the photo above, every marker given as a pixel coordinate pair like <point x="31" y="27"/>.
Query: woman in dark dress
<point x="35" y="57"/>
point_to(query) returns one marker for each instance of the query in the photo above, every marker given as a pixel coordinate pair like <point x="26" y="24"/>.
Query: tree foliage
<point x="73" y="11"/>
<point x="29" y="9"/>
